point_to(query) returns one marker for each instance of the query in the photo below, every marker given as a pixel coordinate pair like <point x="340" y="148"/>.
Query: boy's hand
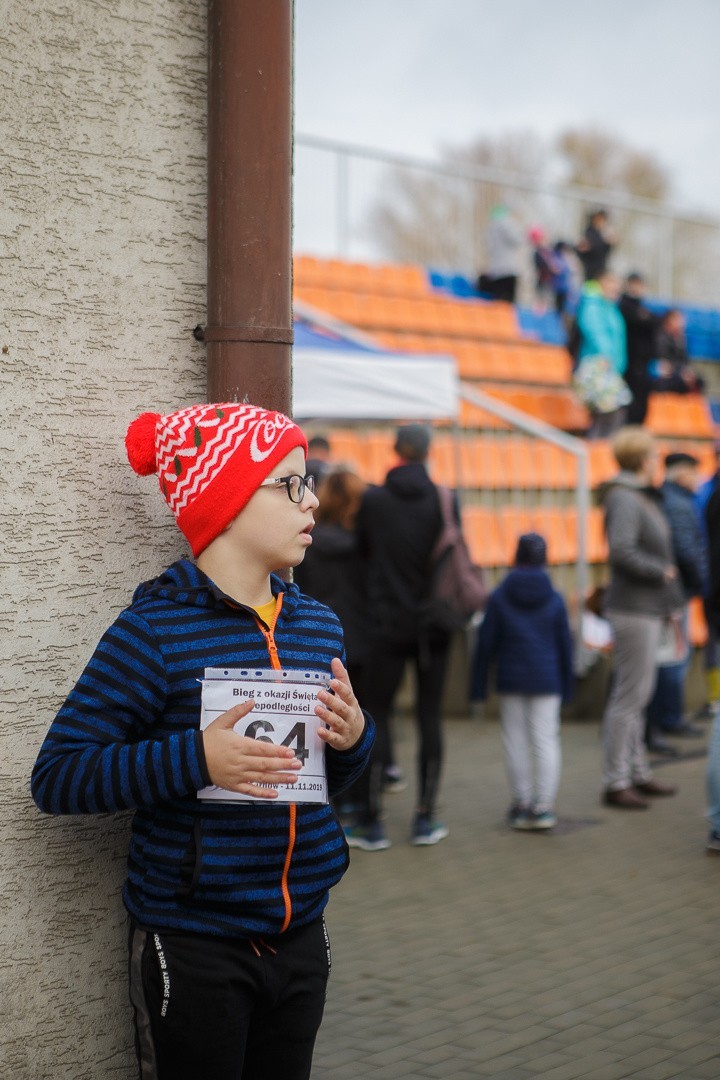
<point x="237" y="762"/>
<point x="340" y="711"/>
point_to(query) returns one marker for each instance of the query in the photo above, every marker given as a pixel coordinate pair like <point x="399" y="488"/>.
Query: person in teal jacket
<point x="602" y="333"/>
<point x="601" y="326"/>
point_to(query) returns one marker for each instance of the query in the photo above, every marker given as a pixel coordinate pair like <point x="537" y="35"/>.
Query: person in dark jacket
<point x="594" y="248"/>
<point x="641" y="325"/>
<point x="644" y="590"/>
<point x="712" y="611"/>
<point x="711" y="657"/>
<point x="673" y="372"/>
<point x="665" y="711"/>
<point x="398" y="526"/>
<point x="230" y="859"/>
<point x="526" y="631"/>
<point x="334" y="572"/>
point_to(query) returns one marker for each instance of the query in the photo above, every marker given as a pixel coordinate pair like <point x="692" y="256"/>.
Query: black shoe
<point x="685" y="731"/>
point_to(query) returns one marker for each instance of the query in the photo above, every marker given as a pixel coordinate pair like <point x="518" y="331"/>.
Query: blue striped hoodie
<point x="128" y="737"/>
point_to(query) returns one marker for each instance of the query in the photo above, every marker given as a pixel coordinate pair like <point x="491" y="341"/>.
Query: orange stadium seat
<point x="467" y="452"/>
<point x="596" y="540"/>
<point x="472" y="416"/>
<point x="348" y="448"/>
<point x="513" y="522"/>
<point x="379" y="455"/>
<point x="488" y="462"/>
<point x="685" y="415"/>
<point x="400" y="280"/>
<point x="560" y="531"/>
<point x="482" y="533"/>
<point x="563" y="410"/>
<point x="519" y="463"/>
<point x="602" y="462"/>
<point x="556" y="468"/>
<point x="386" y="280"/>
<point x="496" y="360"/>
<point x="443" y="460"/>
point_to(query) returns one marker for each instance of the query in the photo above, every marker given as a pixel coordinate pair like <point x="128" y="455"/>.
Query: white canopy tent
<point x="331" y="384"/>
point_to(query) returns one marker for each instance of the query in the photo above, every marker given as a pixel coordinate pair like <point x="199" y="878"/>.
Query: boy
<point x="526" y="631"/>
<point x="229" y="956"/>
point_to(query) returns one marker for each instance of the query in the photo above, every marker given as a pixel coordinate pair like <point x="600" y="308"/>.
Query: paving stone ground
<point x="592" y="953"/>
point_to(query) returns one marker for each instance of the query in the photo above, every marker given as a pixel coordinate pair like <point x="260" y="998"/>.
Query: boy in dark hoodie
<point x="229" y="957"/>
<point x="526" y="631"/>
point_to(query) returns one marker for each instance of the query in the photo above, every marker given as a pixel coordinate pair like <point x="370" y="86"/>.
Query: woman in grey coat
<point x="644" y="590"/>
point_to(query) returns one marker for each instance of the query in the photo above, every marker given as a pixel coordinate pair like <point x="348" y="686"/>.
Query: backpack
<point x="456" y="589"/>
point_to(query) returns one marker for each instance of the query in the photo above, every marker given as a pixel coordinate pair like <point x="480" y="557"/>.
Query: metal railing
<point x="338" y="188"/>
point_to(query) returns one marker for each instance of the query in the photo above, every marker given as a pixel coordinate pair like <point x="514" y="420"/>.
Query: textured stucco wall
<point x="102" y="277"/>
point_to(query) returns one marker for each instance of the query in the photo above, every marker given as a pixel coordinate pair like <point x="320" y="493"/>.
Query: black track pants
<point x="228" y="1008"/>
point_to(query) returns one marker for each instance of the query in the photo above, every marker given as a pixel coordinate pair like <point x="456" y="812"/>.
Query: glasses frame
<point x="306" y="483"/>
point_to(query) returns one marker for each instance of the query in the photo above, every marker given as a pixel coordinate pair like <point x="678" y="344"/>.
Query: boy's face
<point x="271" y="530"/>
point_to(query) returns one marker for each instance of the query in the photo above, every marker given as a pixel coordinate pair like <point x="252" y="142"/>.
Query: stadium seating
<point x="511" y="482"/>
<point x="680" y="415"/>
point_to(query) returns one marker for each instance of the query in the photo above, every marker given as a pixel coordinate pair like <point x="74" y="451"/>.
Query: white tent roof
<point x="343" y="385"/>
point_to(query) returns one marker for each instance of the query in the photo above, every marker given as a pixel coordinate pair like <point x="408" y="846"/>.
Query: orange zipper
<point x="269" y="635"/>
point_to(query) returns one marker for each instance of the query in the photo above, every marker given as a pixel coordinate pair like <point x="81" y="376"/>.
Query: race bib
<point x="284" y="714"/>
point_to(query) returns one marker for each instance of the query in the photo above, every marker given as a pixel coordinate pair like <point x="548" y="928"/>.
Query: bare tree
<point x="439" y="219"/>
<point x="595" y="158"/>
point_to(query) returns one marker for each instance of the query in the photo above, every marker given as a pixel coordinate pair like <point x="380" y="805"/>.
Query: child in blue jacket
<point x="229" y="956"/>
<point x="526" y="631"/>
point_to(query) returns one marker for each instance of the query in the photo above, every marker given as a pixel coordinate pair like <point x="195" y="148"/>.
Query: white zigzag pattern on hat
<point x="174" y="433"/>
<point x="208" y="465"/>
<point x="211" y="456"/>
<point x="172" y="439"/>
<point x="206" y="468"/>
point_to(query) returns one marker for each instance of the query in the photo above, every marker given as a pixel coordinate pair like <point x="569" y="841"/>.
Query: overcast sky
<point x="414" y="75"/>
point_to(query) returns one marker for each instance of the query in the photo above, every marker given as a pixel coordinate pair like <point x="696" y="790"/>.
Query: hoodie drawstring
<point x="261" y="943"/>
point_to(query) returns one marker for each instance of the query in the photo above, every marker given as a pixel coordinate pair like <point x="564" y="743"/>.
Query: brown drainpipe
<point x="249" y="301"/>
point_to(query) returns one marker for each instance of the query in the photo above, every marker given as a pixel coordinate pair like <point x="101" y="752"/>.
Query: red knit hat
<point x="210" y="460"/>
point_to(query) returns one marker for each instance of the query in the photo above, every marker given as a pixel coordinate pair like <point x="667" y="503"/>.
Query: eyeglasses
<point x="295" y="485"/>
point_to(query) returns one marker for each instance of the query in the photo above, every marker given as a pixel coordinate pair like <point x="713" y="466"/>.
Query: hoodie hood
<point x="183" y="583"/>
<point x="409" y="481"/>
<point x="630" y="482"/>
<point x="527" y="587"/>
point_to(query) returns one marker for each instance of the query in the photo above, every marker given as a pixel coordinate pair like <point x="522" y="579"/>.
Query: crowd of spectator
<point x="370" y="559"/>
<point x="623" y="349"/>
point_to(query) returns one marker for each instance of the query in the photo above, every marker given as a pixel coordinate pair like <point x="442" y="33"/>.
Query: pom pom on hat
<point x="210" y="460"/>
<point x="140" y="443"/>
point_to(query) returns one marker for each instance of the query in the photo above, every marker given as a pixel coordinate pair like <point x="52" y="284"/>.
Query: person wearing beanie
<point x="665" y="712"/>
<point x="526" y="634"/>
<point x="229" y="954"/>
<point x="398" y="525"/>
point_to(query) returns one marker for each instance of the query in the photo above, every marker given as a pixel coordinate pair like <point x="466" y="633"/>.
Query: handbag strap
<point x="450" y="528"/>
